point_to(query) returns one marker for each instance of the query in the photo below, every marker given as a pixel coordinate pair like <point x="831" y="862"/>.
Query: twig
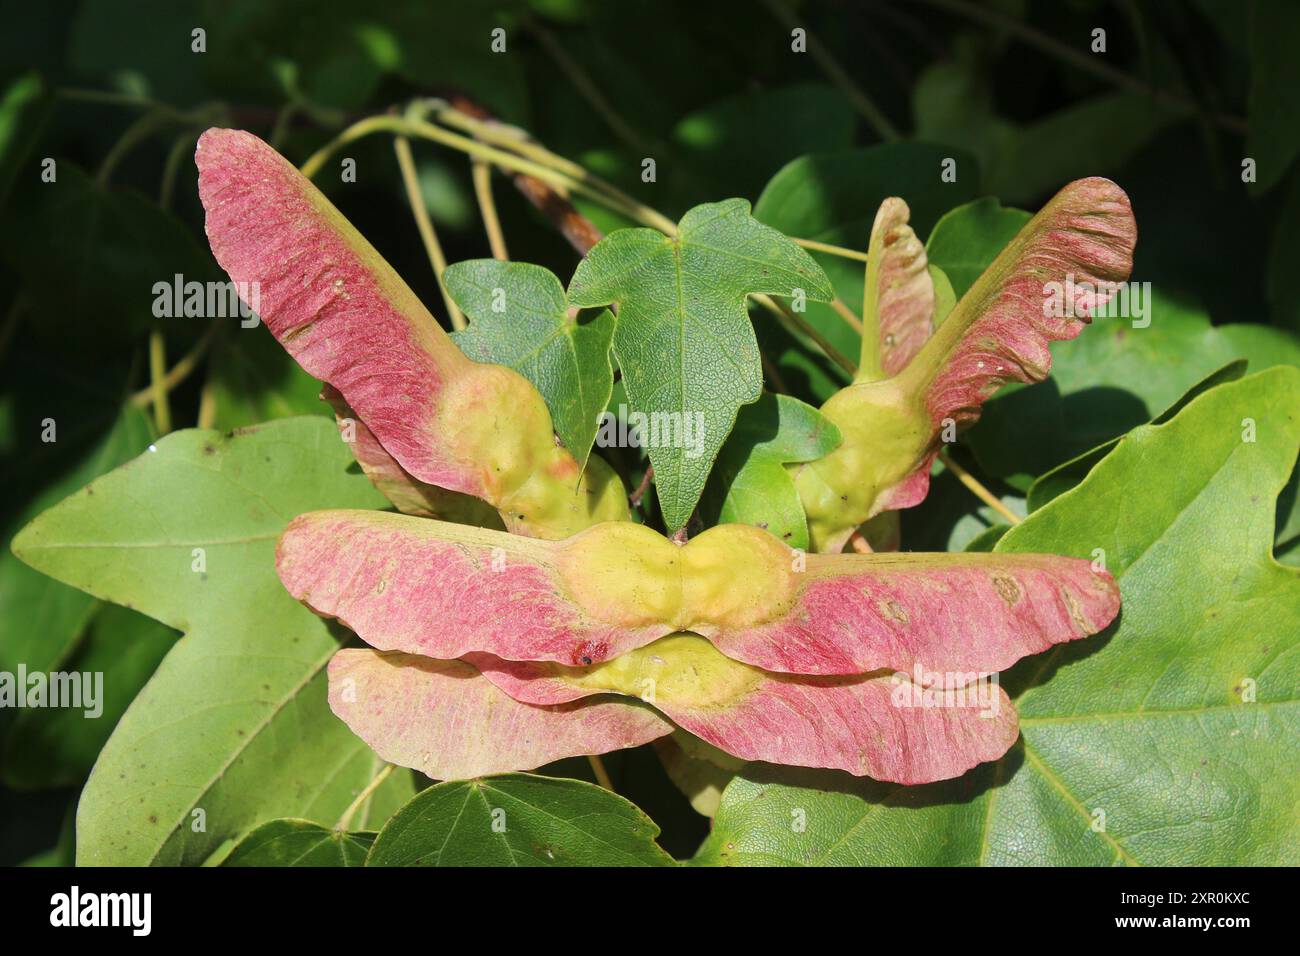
<point x="162" y="413"/>
<point x="980" y="492"/>
<point x="346" y="820"/>
<point x="402" y="146"/>
<point x="587" y="185"/>
<point x="775" y="383"/>
<point x="481" y="173"/>
<point x="789" y="318"/>
<point x="635" y="497"/>
<point x="172" y="167"/>
<point x="828" y="248"/>
<point x="178" y="372"/>
<point x="140" y="130"/>
<point x="847" y="314"/>
<point x="602" y="775"/>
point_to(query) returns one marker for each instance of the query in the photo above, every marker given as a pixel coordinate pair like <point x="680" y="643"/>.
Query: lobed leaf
<point x="683" y="338"/>
<point x="749" y="483"/>
<point x="518" y="820"/>
<point x="520" y="317"/>
<point x="294" y="843"/>
<point x="246" y="735"/>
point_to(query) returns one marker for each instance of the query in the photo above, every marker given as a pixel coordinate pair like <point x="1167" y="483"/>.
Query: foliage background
<point x="713" y="92"/>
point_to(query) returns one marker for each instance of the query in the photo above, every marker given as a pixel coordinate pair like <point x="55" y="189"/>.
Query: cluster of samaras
<point x="515" y="614"/>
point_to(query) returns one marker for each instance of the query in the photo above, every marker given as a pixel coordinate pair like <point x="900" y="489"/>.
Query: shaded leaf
<point x="519" y="316"/>
<point x="768" y="127"/>
<point x="300" y="843"/>
<point x="41" y="619"/>
<point x="94" y="254"/>
<point x="24" y="109"/>
<point x="518" y="820"/>
<point x="749" y="483"/>
<point x="1273" y="139"/>
<point x="1068" y="474"/>
<point x="56" y="746"/>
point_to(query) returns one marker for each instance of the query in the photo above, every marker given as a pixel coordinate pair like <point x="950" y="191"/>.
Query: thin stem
<point x="282" y="120"/>
<point x="1083" y="61"/>
<point x="790" y="318"/>
<point x="602" y="775"/>
<point x="837" y="75"/>
<point x="405" y="160"/>
<point x="564" y="184"/>
<point x="346" y="820"/>
<point x="828" y="248"/>
<point x="775" y="383"/>
<point x="207" y="415"/>
<point x="481" y="173"/>
<point x="409" y="126"/>
<point x="178" y="372"/>
<point x="847" y="314"/>
<point x="171" y="168"/>
<point x="980" y="492"/>
<point x="515" y="140"/>
<point x="634" y="499"/>
<point x="860" y="544"/>
<point x="162" y="413"/>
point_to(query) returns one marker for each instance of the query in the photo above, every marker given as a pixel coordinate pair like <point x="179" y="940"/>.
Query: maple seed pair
<point x="481" y="627"/>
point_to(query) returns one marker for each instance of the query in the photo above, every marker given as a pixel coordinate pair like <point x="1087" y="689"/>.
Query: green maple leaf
<point x="518" y="820"/>
<point x="750" y="484"/>
<point x="1169" y="742"/>
<point x="234" y="723"/>
<point x="300" y="843"/>
<point x="520" y="317"/>
<point x="683" y="339"/>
